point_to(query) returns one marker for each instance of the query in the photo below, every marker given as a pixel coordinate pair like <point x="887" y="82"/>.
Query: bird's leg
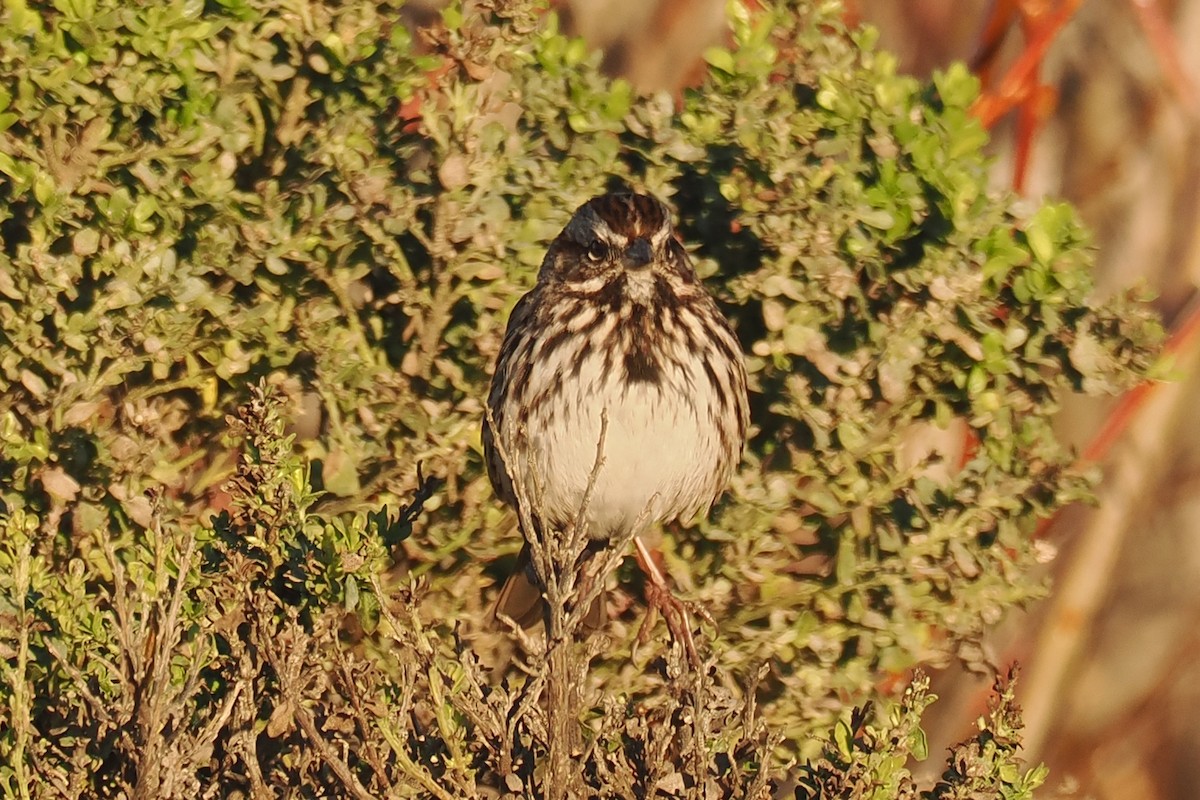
<point x="659" y="598"/>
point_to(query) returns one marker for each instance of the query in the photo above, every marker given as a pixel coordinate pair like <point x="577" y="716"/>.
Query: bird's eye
<point x="597" y="250"/>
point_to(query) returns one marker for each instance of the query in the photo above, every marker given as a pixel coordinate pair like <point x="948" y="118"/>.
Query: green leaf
<point x="721" y="59"/>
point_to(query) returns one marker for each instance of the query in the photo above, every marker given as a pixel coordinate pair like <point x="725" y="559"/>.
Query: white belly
<point x="660" y="452"/>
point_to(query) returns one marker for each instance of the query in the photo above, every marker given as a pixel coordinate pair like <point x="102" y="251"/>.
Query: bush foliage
<point x="199" y="588"/>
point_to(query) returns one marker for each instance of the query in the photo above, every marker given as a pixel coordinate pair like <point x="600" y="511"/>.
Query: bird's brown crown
<point x="631" y="215"/>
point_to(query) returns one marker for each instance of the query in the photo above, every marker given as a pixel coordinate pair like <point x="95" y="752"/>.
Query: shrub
<point x="202" y="199"/>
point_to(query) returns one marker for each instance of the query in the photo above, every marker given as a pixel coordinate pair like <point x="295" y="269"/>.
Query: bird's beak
<point x="638" y="254"/>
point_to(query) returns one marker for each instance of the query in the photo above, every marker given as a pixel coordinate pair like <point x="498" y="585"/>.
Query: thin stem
<point x="17" y="677"/>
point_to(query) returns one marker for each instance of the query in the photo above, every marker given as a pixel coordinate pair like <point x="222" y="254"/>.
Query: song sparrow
<point x="618" y="324"/>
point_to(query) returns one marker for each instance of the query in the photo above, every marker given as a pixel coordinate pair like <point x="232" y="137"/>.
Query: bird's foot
<point x="675" y="612"/>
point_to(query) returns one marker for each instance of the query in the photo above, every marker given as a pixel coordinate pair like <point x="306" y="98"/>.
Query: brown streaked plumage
<point x="617" y="322"/>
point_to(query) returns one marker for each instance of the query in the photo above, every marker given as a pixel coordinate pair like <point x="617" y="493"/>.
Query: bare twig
<point x="327" y="753"/>
<point x="579" y="527"/>
<point x="566" y="667"/>
<point x="425" y="657"/>
<point x="288" y="667"/>
<point x="361" y="718"/>
<point x="244" y="740"/>
<point x="81" y="682"/>
<point x="204" y="740"/>
<point x="411" y="769"/>
<point x="569" y="593"/>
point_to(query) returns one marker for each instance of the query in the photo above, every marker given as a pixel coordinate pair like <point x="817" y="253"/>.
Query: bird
<point x="618" y="333"/>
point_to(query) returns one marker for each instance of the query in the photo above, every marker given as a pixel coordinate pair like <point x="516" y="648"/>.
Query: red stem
<point x="1017" y="84"/>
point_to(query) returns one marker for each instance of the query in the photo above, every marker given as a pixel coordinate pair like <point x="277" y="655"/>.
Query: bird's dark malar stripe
<point x="557" y="339"/>
<point x="610" y="295"/>
<point x="664" y="297"/>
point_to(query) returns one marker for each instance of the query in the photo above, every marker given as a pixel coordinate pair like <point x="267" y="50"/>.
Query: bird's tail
<point x="522" y="601"/>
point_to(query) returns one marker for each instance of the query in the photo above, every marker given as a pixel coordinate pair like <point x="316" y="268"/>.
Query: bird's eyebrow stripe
<point x="605" y="232"/>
